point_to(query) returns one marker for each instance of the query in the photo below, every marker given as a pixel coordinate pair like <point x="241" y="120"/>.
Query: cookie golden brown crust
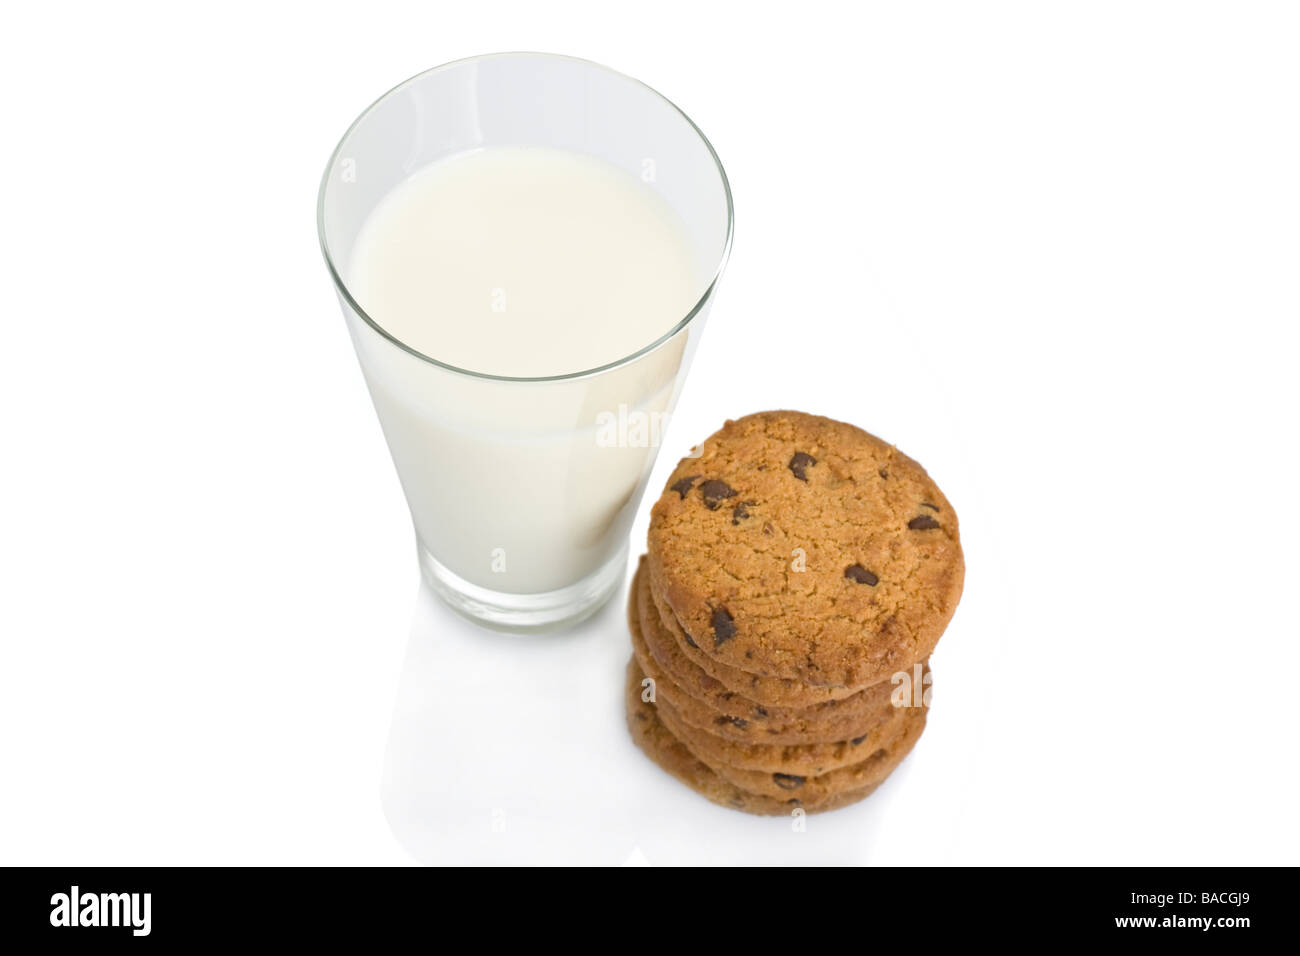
<point x="702" y="703"/>
<point x="852" y="778"/>
<point x="805" y="760"/>
<point x="797" y="547"/>
<point x="769" y="691"/>
<point x="654" y="739"/>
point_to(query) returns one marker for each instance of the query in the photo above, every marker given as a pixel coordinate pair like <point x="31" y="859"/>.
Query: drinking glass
<point x="522" y="490"/>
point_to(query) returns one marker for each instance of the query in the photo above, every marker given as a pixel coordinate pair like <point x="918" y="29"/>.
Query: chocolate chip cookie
<point x="766" y="690"/>
<point x="851" y="778"/>
<point x="702" y="703"/>
<point x="670" y="754"/>
<point x="800" y="548"/>
<point x="798" y="759"/>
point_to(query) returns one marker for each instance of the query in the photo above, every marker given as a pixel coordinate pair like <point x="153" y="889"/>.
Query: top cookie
<point x="800" y="547"/>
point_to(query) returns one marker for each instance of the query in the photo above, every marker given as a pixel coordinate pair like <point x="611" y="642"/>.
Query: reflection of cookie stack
<point x="799" y="574"/>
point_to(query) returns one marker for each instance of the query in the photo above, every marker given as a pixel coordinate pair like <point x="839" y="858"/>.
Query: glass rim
<point x="342" y="288"/>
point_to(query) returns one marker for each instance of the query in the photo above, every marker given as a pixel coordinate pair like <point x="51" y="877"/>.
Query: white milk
<point x="522" y="262"/>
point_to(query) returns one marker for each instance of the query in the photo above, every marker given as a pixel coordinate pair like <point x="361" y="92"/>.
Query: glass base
<point x="524" y="613"/>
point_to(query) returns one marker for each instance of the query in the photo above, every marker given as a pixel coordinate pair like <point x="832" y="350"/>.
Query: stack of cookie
<point x="800" y="572"/>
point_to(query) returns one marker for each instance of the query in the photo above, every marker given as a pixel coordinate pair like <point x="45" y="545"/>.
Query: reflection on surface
<point x="513" y="749"/>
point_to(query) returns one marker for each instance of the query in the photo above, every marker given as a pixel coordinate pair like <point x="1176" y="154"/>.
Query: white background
<point x="1049" y="249"/>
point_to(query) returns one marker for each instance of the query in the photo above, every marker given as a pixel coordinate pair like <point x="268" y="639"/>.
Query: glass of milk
<point x="525" y="247"/>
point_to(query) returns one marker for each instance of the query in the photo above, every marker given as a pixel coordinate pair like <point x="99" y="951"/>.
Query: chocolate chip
<point x="736" y="721"/>
<point x="686" y="635"/>
<point x="714" y="492"/>
<point x="857" y="740"/>
<point x="926" y="504"/>
<point x="787" y="781"/>
<point x="740" y="512"/>
<point x="683" y="485"/>
<point x="760" y="710"/>
<point x="856" y="572"/>
<point x="724" y="628"/>
<point x="799" y="462"/>
<point x="923" y="523"/>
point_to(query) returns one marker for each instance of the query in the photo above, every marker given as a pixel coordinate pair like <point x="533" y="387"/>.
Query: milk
<point x="522" y="262"/>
